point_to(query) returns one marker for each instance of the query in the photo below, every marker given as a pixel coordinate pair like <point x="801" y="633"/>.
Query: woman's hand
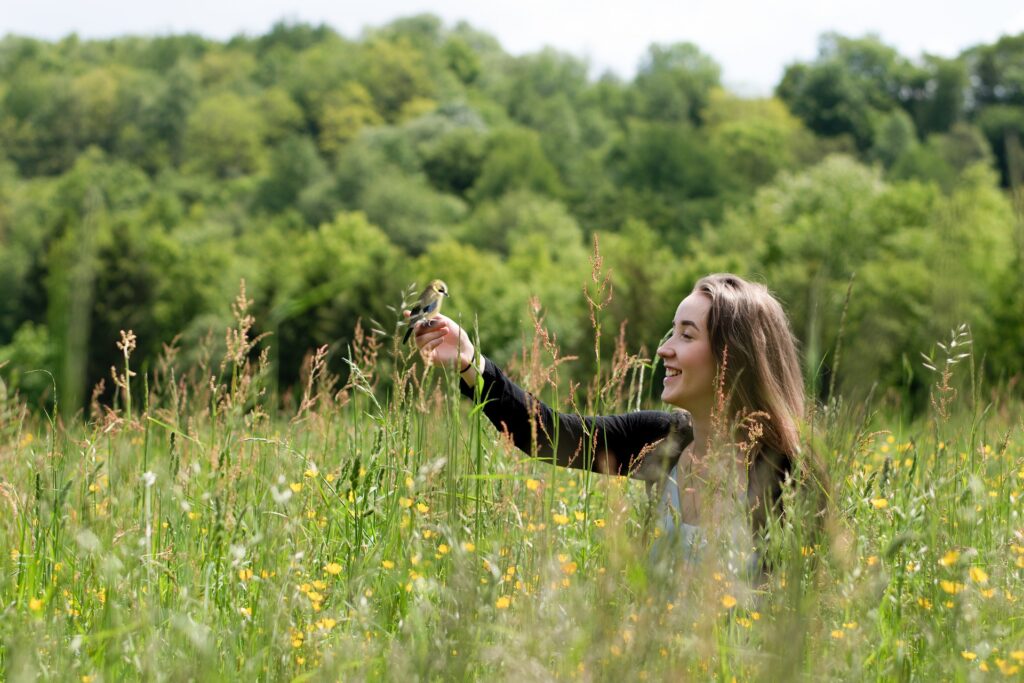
<point x="443" y="342"/>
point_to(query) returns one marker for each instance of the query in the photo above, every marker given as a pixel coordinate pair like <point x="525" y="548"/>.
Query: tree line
<point x="142" y="178"/>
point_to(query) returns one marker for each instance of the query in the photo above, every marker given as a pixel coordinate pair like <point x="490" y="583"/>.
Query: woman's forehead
<point x="694" y="307"/>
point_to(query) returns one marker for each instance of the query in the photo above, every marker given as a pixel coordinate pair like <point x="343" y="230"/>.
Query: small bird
<point x="428" y="305"/>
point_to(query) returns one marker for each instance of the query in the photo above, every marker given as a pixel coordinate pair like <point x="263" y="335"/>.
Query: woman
<point x="731" y="366"/>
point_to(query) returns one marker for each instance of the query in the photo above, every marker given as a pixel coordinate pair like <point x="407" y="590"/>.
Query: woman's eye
<point x="686" y="336"/>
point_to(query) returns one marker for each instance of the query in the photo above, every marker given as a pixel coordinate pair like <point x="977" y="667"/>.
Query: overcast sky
<point x="753" y="40"/>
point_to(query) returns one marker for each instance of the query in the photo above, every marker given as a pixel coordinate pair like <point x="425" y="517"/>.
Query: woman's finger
<point x="432" y="334"/>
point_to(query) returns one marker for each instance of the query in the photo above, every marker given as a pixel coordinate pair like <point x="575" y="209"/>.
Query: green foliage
<point x="755" y="138"/>
<point x="485" y="297"/>
<point x="208" y="534"/>
<point x="850" y="80"/>
<point x="394" y="74"/>
<point x="142" y="178"/>
<point x="343" y="114"/>
<point x="224" y="137"/>
<point x="30" y="355"/>
<point x="328" y="280"/>
<point x="454" y="161"/>
<point x="894" y="138"/>
<point x="647" y="277"/>
<point x="669" y="176"/>
<point x="461" y="59"/>
<point x="922" y="261"/>
<point x="410" y="212"/>
<point x="294" y="165"/>
<point x="515" y="160"/>
<point x="675" y="82"/>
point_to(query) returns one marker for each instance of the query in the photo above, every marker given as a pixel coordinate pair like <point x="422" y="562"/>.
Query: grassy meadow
<point x="381" y="529"/>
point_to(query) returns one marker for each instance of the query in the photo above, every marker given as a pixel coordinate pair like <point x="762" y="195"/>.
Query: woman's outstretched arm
<point x="612" y="444"/>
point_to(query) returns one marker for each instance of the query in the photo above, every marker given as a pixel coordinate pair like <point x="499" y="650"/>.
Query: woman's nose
<point x="663" y="352"/>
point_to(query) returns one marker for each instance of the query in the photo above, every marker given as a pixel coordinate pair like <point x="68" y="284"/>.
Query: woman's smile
<point x="686" y="355"/>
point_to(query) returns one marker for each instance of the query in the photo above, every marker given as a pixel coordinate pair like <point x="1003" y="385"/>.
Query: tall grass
<point x="382" y="530"/>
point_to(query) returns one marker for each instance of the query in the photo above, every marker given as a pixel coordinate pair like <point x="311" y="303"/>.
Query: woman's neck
<point x="701" y="421"/>
<point x="721" y="472"/>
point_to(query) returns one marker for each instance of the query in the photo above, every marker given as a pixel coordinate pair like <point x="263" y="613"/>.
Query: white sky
<point x="753" y="40"/>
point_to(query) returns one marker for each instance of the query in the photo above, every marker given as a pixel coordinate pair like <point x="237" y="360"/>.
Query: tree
<point x="294" y="166"/>
<point x="344" y="113"/>
<point x="224" y="137"/>
<point x="535" y="78"/>
<point x="894" y="138"/>
<point x="496" y="225"/>
<point x="329" y="286"/>
<point x="756" y="138"/>
<point x="669" y="176"/>
<point x="515" y="160"/>
<point x="674" y="83"/>
<point x="461" y="60"/>
<point x="483" y="292"/>
<point x="839" y="92"/>
<point x="454" y="161"/>
<point x="409" y="211"/>
<point x="648" y="285"/>
<point x="393" y="73"/>
<point x="936" y="95"/>
<point x="924" y="263"/>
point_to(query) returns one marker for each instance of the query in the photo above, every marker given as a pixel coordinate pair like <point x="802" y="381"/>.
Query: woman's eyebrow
<point x="685" y="323"/>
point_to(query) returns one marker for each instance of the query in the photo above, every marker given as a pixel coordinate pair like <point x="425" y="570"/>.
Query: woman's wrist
<point x="476" y="364"/>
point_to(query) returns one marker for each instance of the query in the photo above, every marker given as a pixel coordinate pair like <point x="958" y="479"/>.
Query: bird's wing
<point x="431" y="307"/>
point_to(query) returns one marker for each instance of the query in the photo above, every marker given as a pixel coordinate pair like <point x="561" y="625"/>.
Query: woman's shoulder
<point x="677" y="429"/>
<point x="676" y="419"/>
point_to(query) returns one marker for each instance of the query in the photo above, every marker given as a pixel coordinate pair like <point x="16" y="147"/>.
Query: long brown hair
<point x="756" y="352"/>
<point x="760" y="377"/>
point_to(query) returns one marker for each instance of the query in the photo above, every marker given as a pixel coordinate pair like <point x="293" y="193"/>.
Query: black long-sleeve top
<point x="644" y="444"/>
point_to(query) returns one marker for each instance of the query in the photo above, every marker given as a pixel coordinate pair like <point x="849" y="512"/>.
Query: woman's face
<point x="689" y="364"/>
